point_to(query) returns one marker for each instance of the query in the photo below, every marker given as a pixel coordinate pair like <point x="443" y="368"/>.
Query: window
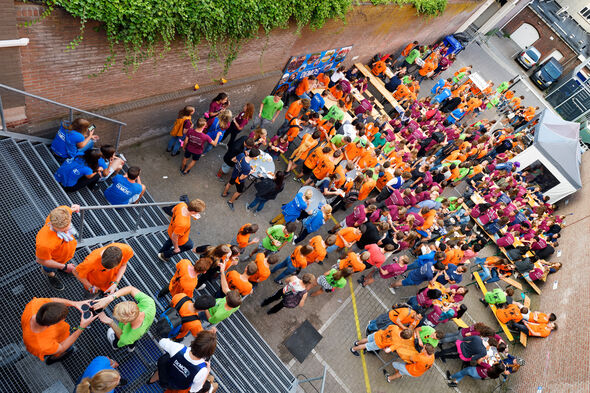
<point x="585" y="12"/>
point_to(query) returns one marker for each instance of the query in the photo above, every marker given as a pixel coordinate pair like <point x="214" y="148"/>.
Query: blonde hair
<point x="126" y="312"/>
<point x="308" y="194"/>
<point x="60" y="217"/>
<point x="327" y="209"/>
<point x="224" y="118"/>
<point x="102" y="382"/>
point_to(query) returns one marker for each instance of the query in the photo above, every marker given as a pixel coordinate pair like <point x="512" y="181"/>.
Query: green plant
<point x="140" y="25"/>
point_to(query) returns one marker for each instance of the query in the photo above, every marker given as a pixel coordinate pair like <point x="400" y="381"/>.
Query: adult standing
<point x="181" y="126"/>
<point x="239" y="122"/>
<point x="100" y="377"/>
<point x="314" y="222"/>
<point x="55" y="244"/>
<point x="103" y="269"/>
<point x="217" y="105"/>
<point x="269" y="110"/>
<point x="195" y="143"/>
<point x="180" y="227"/>
<point x="240" y="174"/>
<point x="187" y="369"/>
<point x="266" y="190"/>
<point x="292" y="295"/>
<point x="240" y="145"/>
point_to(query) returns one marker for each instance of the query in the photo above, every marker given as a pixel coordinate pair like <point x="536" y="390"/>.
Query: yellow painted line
<point x="359" y="336"/>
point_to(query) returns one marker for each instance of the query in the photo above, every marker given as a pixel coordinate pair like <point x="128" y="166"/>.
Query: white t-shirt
<point x="294" y="286"/>
<point x="172" y="348"/>
<point x="336" y="76"/>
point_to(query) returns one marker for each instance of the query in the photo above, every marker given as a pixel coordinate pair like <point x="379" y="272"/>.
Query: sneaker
<point x="248" y="208"/>
<point x="355" y="353"/>
<point x="386" y="375"/>
<point x="392" y="290"/>
<point x="452" y="384"/>
<point x="231" y="205"/>
<point x="130" y="348"/>
<point x="279" y="282"/>
<point x="111" y="337"/>
<point x="161" y="256"/>
<point x="55" y="283"/>
<point x="448" y="375"/>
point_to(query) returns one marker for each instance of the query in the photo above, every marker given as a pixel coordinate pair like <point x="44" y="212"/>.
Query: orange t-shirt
<point x="387" y="337"/>
<point x="427" y="68"/>
<point x="509" y="94"/>
<point x="338" y="94"/>
<point x="352" y="151"/>
<point x="302" y="87"/>
<point x="180" y="224"/>
<point x="538" y="329"/>
<point x="327" y="131"/>
<point x="234" y="281"/>
<point x="428" y="219"/>
<point x="403" y="315"/>
<point x="312" y="159"/>
<point x="407" y="49"/>
<point x="352" y="260"/>
<point x="263" y="270"/>
<point x="294" y="110"/>
<point x="515" y="102"/>
<point x="350" y="234"/>
<point x="401" y="92"/>
<point x="368" y="160"/>
<point x="294" y="129"/>
<point x="194" y="327"/>
<point x="302" y="151"/>
<point x="324" y="167"/>
<point x="378" y="67"/>
<point x="319" y="250"/>
<point x="243" y="240"/>
<point x="382" y="181"/>
<point x="538" y="317"/>
<point x="529" y="113"/>
<point x="297" y="259"/>
<point x="47" y="342"/>
<point x="366" y="188"/>
<point x="420" y="363"/>
<point x="182" y="282"/>
<point x="93" y="270"/>
<point x="50" y="247"/>
<point x="323" y="80"/>
<point x="454" y="256"/>
<point x="509" y="313"/>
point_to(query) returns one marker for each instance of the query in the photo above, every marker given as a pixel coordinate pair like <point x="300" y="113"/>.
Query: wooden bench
<point x="512" y="282"/>
<point x="484" y="290"/>
<point x="523" y="336"/>
<point x="460" y="323"/>
<point x="378" y="84"/>
<point x="531" y="283"/>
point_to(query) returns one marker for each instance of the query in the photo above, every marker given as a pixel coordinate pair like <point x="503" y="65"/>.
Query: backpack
<point x="170" y="322"/>
<point x="292" y="299"/>
<point x="496" y="296"/>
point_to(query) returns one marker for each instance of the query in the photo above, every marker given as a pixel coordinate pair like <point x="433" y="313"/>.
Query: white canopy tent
<point x="556" y="147"/>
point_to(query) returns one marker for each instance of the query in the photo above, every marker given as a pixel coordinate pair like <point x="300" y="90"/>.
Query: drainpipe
<point x="14" y="43"/>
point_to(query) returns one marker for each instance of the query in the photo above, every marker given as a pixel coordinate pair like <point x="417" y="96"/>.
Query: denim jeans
<point x="289" y="269"/>
<point x="167" y="248"/>
<point x="173" y="145"/>
<point x="451" y="337"/>
<point x="257" y="201"/>
<point x="467" y="371"/>
<point x="413" y="302"/>
<point x="331" y="248"/>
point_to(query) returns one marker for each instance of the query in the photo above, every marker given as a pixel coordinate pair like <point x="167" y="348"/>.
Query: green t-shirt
<point x="379" y="140"/>
<point x="341" y="283"/>
<point x="337" y="140"/>
<point x="406" y="80"/>
<point x="334" y="113"/>
<point x="502" y="87"/>
<point x="270" y="107"/>
<point x="219" y="312"/>
<point x="427" y="331"/>
<point x="412" y="56"/>
<point x="277" y="233"/>
<point x="129" y="335"/>
<point x="389" y="146"/>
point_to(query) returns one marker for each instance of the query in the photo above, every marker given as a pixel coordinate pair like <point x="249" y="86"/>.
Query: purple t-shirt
<point x="197" y="141"/>
<point x="241" y="119"/>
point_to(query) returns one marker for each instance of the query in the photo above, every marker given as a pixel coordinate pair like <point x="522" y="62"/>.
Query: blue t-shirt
<point x="317" y="102"/>
<point x="423" y="274"/>
<point x="429" y="203"/>
<point x="452" y="273"/>
<point x="315" y="221"/>
<point x="293" y="209"/>
<point x="393" y="83"/>
<point x="65" y="142"/>
<point x="457" y="113"/>
<point x="99" y="363"/>
<point x="242" y="167"/>
<point x="437" y="86"/>
<point x="71" y="171"/>
<point x="443" y="95"/>
<point x="121" y="191"/>
<point x="214" y="129"/>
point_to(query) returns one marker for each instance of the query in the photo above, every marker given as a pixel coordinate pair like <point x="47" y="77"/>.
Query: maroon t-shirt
<point x="197" y="141"/>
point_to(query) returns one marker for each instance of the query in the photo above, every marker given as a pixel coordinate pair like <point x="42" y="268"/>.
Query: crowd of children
<point x="388" y="174"/>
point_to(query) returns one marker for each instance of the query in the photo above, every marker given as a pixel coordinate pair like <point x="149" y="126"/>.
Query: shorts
<point x="371" y="346"/>
<point x="305" y="170"/>
<point x="187" y="154"/>
<point x="240" y="187"/>
<point x="368" y="266"/>
<point x="225" y="168"/>
<point x="322" y="282"/>
<point x="384" y="194"/>
<point x="401" y="367"/>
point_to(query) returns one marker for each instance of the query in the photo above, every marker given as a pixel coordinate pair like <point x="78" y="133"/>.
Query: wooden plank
<point x="459" y="322"/>
<point x="531" y="283"/>
<point x="512" y="282"/>
<point x="524" y="337"/>
<point x="378" y="84"/>
<point x="492" y="307"/>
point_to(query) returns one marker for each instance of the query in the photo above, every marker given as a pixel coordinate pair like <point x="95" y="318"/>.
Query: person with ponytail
<point x="100" y="377"/>
<point x="181" y="126"/>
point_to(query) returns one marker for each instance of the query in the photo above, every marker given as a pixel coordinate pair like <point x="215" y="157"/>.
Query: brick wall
<point x="51" y="71"/>
<point x="10" y="64"/>
<point x="548" y="40"/>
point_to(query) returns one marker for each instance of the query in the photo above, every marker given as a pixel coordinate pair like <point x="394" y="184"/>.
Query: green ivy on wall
<point x="139" y="25"/>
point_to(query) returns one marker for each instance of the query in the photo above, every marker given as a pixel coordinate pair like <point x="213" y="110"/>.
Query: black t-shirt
<point x="234" y="149"/>
<point x="472" y="347"/>
<point x="370" y="236"/>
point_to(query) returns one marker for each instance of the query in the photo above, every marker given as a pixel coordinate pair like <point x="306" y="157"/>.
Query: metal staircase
<point x="243" y="362"/>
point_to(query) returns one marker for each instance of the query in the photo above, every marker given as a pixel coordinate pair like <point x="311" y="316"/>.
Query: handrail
<point x="131" y="205"/>
<point x="71" y="108"/>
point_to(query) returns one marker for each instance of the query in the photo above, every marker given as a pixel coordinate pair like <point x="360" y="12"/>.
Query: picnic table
<point x="379" y="85"/>
<point x="484" y="290"/>
<point x="317" y="198"/>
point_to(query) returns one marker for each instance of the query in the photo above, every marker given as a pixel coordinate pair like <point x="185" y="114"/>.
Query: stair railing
<point x="70" y="108"/>
<point x="140" y="206"/>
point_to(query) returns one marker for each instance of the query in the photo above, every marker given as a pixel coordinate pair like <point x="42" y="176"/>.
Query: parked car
<point x="547" y="73"/>
<point x="528" y="58"/>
